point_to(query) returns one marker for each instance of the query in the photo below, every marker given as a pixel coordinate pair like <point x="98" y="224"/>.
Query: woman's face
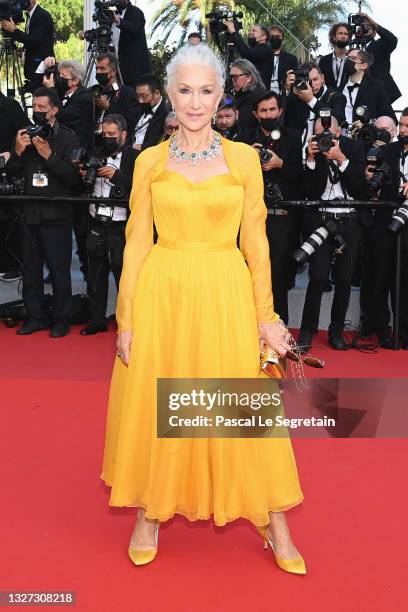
<point x="195" y="94"/>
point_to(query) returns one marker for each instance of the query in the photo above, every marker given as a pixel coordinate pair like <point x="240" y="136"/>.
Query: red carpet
<point x="58" y="533"/>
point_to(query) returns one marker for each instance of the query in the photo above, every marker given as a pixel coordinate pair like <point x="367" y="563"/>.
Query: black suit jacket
<point x="38" y="43"/>
<point x="123" y="101"/>
<point x="261" y="56"/>
<point x="12" y="119"/>
<point x="372" y="93"/>
<point x="352" y="179"/>
<point x="381" y="50"/>
<point x="78" y="114"/>
<point x="134" y="56"/>
<point x="326" y="66"/>
<point x="287" y="61"/>
<point x="155" y="129"/>
<point x="289" y="149"/>
<point x="244" y="102"/>
<point x="297" y="111"/>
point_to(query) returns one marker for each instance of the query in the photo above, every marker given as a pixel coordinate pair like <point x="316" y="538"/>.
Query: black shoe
<point x="92" y="329"/>
<point x="59" y="329"/>
<point x="305" y="340"/>
<point x="336" y="339"/>
<point x="366" y="330"/>
<point x="31" y="326"/>
<point x="47" y="279"/>
<point x="328" y="288"/>
<point x="404" y="342"/>
<point x="385" y="339"/>
<point x="13" y="275"/>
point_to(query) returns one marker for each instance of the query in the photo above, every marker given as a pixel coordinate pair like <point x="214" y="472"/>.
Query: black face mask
<point x="146" y="108"/>
<point x="111" y="144"/>
<point x="40" y="117"/>
<point x="349" y="67"/>
<point x="62" y="85"/>
<point x="251" y="41"/>
<point x="403" y="139"/>
<point x="275" y="42"/>
<point x="102" y="78"/>
<point x="341" y="44"/>
<point x="269" y="124"/>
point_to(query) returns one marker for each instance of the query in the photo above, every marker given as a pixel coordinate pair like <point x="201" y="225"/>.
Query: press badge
<point x="40" y="179"/>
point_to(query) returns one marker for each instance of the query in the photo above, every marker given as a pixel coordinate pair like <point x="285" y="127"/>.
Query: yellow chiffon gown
<point x="193" y="301"/>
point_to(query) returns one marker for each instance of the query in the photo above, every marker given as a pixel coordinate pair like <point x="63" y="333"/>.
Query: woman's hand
<point x="123" y="345"/>
<point x="275" y="335"/>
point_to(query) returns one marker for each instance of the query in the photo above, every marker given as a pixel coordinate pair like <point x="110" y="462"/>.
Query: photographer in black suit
<point x="282" y="60"/>
<point x="381" y="48"/>
<point x="257" y="51"/>
<point x="335" y="174"/>
<point x="106" y="231"/>
<point x="332" y="64"/>
<point x="38" y="40"/>
<point x="152" y="113"/>
<point x="363" y="90"/>
<point x="134" y="56"/>
<point x="281" y="159"/>
<point x="303" y="105"/>
<point x="47" y="236"/>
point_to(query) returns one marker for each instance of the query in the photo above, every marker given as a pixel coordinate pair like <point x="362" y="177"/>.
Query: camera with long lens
<point x="315" y="240"/>
<point x="13" y="9"/>
<point x="102" y="35"/>
<point x="301" y="79"/>
<point x="358" y="30"/>
<point x="90" y="164"/>
<point x="369" y="133"/>
<point x="216" y="19"/>
<point x="14" y="187"/>
<point x="45" y="131"/>
<point x="269" y="144"/>
<point x="51" y="70"/>
<point x="324" y="140"/>
<point x="400" y="218"/>
<point x="96" y="91"/>
<point x="382" y="172"/>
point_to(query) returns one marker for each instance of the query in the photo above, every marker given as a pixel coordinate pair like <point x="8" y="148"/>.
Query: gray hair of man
<point x="387" y="123"/>
<point x="248" y="68"/>
<point x="334" y="125"/>
<point x="171" y="116"/>
<point x="195" y="55"/>
<point x="76" y="68"/>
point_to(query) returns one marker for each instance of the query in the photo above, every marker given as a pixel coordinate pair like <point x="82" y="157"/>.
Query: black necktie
<point x="350" y="90"/>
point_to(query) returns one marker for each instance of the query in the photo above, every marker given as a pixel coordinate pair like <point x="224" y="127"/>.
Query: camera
<point x="101" y="36"/>
<point x="315" y="240"/>
<point x="400" y="217"/>
<point x="51" y="70"/>
<point x="15" y="187"/>
<point x="272" y="194"/>
<point x="217" y="17"/>
<point x="269" y="144"/>
<point x="325" y="140"/>
<point x="301" y="79"/>
<point x="382" y="172"/>
<point x="96" y="91"/>
<point x="89" y="163"/>
<point x="13" y="9"/>
<point x="358" y="29"/>
<point x="45" y="131"/>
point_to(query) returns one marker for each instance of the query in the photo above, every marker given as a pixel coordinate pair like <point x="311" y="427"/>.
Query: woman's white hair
<point x="200" y="55"/>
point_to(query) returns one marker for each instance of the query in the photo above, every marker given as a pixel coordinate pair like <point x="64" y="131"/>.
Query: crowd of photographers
<point x="324" y="131"/>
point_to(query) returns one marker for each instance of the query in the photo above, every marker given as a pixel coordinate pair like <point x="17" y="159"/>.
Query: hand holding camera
<point x="335" y="153"/>
<point x="312" y="149"/>
<point x="106" y="172"/>
<point x="102" y="102"/>
<point x="23" y="141"/>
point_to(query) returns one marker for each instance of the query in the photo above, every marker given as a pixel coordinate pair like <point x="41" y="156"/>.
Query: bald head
<point x="386" y="123"/>
<point x="334" y="126"/>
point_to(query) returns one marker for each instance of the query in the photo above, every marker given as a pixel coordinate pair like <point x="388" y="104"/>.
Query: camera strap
<point x="334" y="172"/>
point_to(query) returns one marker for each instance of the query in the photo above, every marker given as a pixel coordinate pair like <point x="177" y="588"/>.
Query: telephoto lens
<point x="315" y="240"/>
<point x="399" y="218"/>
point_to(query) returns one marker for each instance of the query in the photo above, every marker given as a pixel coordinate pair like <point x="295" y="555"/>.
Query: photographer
<point x="152" y="113"/>
<point x="335" y="171"/>
<point x="226" y="119"/>
<point x="281" y="159"/>
<point x="379" y="246"/>
<point x="332" y="64"/>
<point x="363" y="90"/>
<point x="12" y="119"/>
<point x="110" y="96"/>
<point x="282" y="60"/>
<point x="106" y="235"/>
<point x="257" y="51"/>
<point x="38" y="39"/>
<point x="381" y="48"/>
<point x="47" y="236"/>
<point x="133" y="54"/>
<point x="304" y="101"/>
<point x="247" y="85"/>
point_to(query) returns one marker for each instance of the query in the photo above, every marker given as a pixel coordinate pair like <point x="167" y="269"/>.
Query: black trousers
<point x="283" y="233"/>
<point x="10" y="243"/>
<point x="52" y="244"/>
<point x="79" y="223"/>
<point x="320" y="265"/>
<point x="100" y="263"/>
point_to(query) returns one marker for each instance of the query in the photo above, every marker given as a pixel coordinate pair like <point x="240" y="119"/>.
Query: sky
<point x="391" y="14"/>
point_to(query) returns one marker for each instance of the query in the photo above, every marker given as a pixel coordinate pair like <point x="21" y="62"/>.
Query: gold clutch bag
<point x="273" y="365"/>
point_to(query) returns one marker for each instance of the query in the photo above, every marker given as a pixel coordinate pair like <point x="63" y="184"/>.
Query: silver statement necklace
<point x="213" y="150"/>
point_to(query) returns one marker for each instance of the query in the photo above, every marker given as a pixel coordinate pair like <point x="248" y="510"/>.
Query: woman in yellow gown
<point x="195" y="305"/>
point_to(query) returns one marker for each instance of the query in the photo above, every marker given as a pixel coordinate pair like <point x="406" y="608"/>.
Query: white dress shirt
<point x="333" y="190"/>
<point x="275" y="80"/>
<point x="143" y="124"/>
<point x="338" y="67"/>
<point x="351" y="99"/>
<point x="102" y="190"/>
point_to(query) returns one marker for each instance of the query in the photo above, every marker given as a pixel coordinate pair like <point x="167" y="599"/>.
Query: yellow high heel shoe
<point x="293" y="566"/>
<point x="142" y="557"/>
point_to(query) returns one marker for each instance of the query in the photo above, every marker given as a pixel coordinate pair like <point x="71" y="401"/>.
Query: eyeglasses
<point x="234" y="77"/>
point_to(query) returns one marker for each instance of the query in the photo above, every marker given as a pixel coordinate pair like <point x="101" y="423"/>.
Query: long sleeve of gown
<point x="254" y="242"/>
<point x="139" y="239"/>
